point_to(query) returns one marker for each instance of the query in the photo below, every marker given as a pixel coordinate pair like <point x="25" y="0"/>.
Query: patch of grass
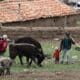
<point x="48" y="64"/>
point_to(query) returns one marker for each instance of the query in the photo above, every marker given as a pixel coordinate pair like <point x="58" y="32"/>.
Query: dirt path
<point x="68" y="75"/>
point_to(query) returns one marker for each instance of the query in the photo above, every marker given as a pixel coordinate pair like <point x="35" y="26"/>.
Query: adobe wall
<point x="47" y="22"/>
<point x="39" y="34"/>
<point x="41" y="28"/>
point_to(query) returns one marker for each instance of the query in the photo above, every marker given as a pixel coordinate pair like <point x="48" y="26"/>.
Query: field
<point x="49" y="71"/>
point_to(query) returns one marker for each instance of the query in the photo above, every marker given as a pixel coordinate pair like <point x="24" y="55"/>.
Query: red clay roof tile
<point x="28" y="10"/>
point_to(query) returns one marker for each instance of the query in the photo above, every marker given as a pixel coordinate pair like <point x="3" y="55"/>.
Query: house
<point x="35" y="17"/>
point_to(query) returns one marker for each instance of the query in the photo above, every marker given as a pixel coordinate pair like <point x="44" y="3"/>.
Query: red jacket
<point x="56" y="53"/>
<point x="3" y="45"/>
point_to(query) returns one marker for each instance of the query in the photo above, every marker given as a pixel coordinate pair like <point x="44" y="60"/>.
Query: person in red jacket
<point x="56" y="55"/>
<point x="3" y="44"/>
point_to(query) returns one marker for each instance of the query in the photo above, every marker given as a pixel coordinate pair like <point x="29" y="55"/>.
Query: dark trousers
<point x="56" y="60"/>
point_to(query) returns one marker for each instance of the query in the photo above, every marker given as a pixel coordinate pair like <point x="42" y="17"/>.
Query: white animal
<point x="5" y="65"/>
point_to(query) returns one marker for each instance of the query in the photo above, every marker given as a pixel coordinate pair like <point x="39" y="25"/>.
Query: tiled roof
<point x="34" y="9"/>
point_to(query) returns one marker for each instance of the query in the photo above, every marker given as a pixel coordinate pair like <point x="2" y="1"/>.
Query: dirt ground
<point x="68" y="75"/>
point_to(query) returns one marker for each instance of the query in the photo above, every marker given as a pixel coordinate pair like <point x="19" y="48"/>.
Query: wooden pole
<point x="19" y="6"/>
<point x="0" y="25"/>
<point x="65" y="23"/>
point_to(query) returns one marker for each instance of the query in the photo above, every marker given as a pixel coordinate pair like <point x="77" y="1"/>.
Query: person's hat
<point x="5" y="36"/>
<point x="56" y="48"/>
